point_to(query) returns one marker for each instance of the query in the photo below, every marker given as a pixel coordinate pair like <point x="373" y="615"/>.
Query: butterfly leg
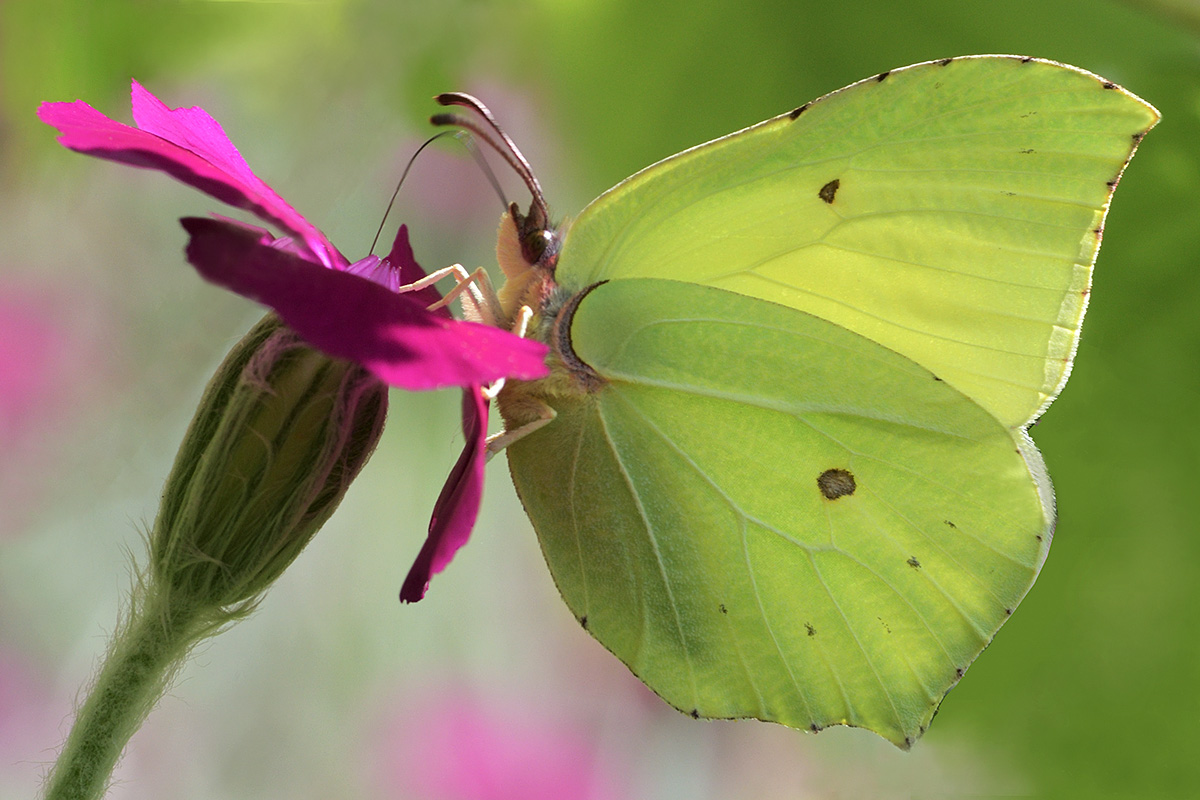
<point x="519" y="327"/>
<point x="544" y="413"/>
<point x="498" y="441"/>
<point x="429" y="280"/>
<point x="474" y="298"/>
<point x="480" y="303"/>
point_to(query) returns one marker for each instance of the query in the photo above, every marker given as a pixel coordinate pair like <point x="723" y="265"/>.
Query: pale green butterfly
<point x="780" y="467"/>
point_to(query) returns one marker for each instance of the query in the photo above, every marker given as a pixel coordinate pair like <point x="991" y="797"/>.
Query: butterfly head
<point x="539" y="240"/>
<point x="526" y="250"/>
<point x="528" y="244"/>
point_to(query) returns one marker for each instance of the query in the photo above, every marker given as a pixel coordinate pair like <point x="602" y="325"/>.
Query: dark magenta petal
<point x="400" y="268"/>
<point x="402" y="259"/>
<point x="457" y="506"/>
<point x="353" y="318"/>
<point x="189" y="145"/>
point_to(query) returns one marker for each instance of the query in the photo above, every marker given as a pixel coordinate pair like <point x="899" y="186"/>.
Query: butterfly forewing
<point x="950" y="211"/>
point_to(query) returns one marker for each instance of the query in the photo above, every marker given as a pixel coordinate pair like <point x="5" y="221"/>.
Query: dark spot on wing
<point x="1026" y="151"/>
<point x="907" y="742"/>
<point x="958" y="673"/>
<point x="939" y="380"/>
<point x="835" y="483"/>
<point x="912" y="562"/>
<point x="945" y="61"/>
<point x="1112" y="184"/>
<point x="1137" y="138"/>
<point x="1026" y="59"/>
<point x="694" y="713"/>
<point x="1008" y="612"/>
<point x="1039" y="537"/>
<point x="951" y="524"/>
<point x="881" y="76"/>
<point x="797" y="112"/>
<point x="815" y="728"/>
<point x="583" y="621"/>
<point x="829" y="190"/>
<point x="1109" y="85"/>
<point x="886" y="627"/>
<point x="811" y="630"/>
<point x="724" y="610"/>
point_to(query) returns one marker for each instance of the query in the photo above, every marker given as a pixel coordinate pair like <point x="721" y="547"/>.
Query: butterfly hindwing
<point x="765" y="515"/>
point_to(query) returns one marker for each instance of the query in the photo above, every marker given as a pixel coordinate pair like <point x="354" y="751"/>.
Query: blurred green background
<point x="333" y="690"/>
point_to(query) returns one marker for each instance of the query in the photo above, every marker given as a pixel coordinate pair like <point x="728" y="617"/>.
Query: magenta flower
<point x="352" y="311"/>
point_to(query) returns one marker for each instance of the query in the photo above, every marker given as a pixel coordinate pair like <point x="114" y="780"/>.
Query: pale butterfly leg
<point x="519" y="328"/>
<point x="480" y="303"/>
<point x="434" y="277"/>
<point x="498" y="441"/>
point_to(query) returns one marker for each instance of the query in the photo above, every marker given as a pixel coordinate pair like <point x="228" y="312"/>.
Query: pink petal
<point x="455" y="747"/>
<point x="457" y="506"/>
<point x="30" y="716"/>
<point x="400" y="268"/>
<point x="356" y="319"/>
<point x="33" y="348"/>
<point x="409" y="271"/>
<point x="189" y="145"/>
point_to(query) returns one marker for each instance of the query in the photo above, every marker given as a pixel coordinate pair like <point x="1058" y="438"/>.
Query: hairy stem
<point x="143" y="657"/>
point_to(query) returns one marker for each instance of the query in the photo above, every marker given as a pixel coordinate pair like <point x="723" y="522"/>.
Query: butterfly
<point x="780" y="466"/>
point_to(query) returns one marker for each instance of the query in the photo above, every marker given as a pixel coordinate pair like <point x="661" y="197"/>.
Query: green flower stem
<point x="143" y="657"/>
<point x="280" y="432"/>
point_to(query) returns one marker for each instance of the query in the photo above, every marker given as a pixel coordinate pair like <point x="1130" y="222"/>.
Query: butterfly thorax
<point x="529" y="273"/>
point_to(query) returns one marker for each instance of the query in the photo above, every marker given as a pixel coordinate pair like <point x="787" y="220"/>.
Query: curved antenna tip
<point x="507" y="148"/>
<point x="460" y="99"/>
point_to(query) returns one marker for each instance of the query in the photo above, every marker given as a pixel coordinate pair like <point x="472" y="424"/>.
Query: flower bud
<point x="280" y="433"/>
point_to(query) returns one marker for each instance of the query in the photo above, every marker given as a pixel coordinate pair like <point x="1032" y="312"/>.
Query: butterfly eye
<point x="539" y="240"/>
<point x="534" y="245"/>
<point x="540" y="246"/>
<point x="553" y="243"/>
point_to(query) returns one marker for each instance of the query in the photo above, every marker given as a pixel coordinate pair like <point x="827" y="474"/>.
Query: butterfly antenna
<point x="400" y="183"/>
<point x="508" y="150"/>
<point x="468" y="141"/>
